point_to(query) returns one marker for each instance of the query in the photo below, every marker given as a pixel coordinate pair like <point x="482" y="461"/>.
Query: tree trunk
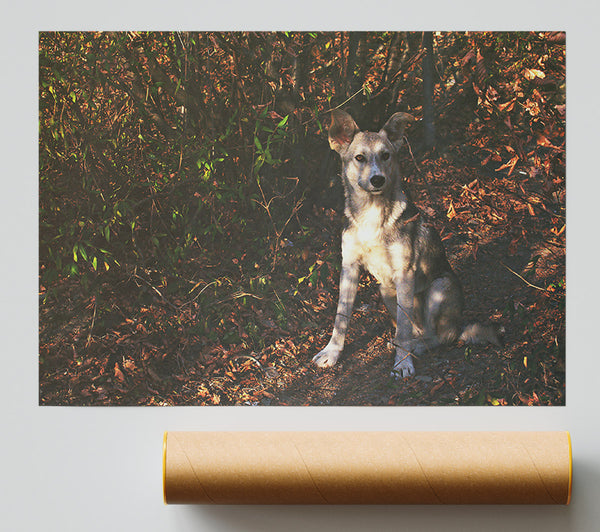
<point x="428" y="91"/>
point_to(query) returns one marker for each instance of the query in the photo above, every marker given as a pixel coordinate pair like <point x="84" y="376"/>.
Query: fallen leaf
<point x="508" y="106"/>
<point x="451" y="212"/>
<point x="532" y="73"/>
<point x="119" y="374"/>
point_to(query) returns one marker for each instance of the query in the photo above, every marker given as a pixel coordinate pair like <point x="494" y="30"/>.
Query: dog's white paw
<point x="403" y="367"/>
<point x="327" y="357"/>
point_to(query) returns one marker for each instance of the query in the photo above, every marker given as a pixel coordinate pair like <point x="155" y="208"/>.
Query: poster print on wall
<point x="191" y="213"/>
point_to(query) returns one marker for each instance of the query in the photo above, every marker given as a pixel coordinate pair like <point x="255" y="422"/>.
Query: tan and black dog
<point x="386" y="235"/>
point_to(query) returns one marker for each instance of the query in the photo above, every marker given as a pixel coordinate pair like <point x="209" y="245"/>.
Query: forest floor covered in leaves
<point x="235" y="329"/>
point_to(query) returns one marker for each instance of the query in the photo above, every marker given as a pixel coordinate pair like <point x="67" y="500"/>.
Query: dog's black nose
<point x="377" y="181"/>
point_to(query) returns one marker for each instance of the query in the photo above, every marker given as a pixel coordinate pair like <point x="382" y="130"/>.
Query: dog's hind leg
<point x="443" y="312"/>
<point x="439" y="312"/>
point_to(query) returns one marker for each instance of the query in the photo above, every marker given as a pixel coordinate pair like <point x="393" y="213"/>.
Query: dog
<point x="389" y="237"/>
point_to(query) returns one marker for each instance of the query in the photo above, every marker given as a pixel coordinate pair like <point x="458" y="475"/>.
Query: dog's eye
<point x="385" y="155"/>
<point x="360" y="157"/>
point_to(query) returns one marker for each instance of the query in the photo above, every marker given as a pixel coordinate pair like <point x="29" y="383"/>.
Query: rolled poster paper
<point x="367" y="467"/>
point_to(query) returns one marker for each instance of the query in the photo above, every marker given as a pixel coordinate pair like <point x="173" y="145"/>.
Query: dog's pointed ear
<point x="342" y="130"/>
<point x="395" y="126"/>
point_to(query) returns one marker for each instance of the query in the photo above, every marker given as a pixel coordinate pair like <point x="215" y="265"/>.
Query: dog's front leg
<point x="405" y="293"/>
<point x="348" y="286"/>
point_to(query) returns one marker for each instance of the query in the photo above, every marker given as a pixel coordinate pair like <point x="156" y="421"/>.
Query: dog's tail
<point x="478" y="333"/>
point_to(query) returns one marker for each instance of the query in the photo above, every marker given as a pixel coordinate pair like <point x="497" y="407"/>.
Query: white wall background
<point x="99" y="469"/>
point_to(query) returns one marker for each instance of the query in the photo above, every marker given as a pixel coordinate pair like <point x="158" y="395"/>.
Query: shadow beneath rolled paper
<point x="383" y="518"/>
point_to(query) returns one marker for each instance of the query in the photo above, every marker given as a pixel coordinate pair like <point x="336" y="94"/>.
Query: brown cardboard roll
<point x="367" y="467"/>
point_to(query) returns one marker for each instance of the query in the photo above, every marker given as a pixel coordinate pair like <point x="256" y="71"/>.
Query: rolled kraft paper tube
<point x="367" y="467"/>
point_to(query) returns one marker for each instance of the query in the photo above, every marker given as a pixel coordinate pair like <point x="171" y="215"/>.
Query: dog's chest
<point x="368" y="241"/>
<point x="369" y="226"/>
